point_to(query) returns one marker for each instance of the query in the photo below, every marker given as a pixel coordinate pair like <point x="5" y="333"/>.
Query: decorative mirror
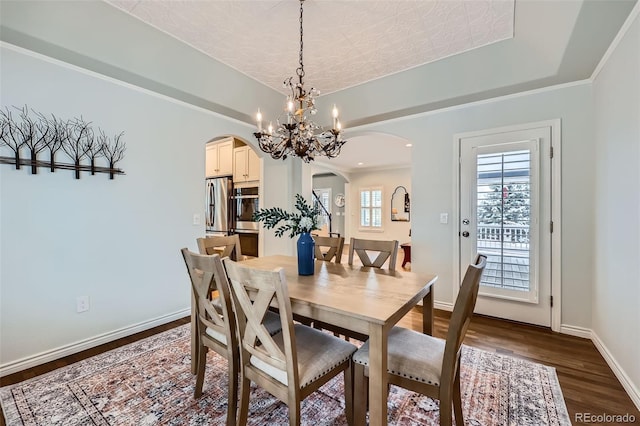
<point x="400" y="205"/>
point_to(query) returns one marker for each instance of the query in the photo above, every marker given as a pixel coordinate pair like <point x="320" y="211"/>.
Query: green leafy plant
<point x="297" y="223"/>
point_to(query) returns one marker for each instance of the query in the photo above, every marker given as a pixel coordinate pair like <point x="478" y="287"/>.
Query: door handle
<point x="465" y="234"/>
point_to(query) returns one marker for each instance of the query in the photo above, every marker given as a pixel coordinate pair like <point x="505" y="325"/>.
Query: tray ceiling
<point x="345" y="42"/>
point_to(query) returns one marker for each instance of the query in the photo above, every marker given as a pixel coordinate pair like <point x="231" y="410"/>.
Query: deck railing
<point x="507" y="248"/>
<point x="511" y="237"/>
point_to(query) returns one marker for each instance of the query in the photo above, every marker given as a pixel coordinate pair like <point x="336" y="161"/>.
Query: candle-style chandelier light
<point x="295" y="134"/>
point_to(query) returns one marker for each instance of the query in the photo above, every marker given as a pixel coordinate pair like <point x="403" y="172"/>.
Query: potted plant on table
<point x="301" y="223"/>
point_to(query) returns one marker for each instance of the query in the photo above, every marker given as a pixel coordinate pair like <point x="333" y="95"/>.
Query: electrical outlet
<point x="82" y="304"/>
<point x="196" y="219"/>
<point x="444" y="218"/>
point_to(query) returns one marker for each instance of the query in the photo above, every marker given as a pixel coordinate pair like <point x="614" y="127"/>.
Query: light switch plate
<point x="82" y="304"/>
<point x="444" y="218"/>
<point x="196" y="219"/>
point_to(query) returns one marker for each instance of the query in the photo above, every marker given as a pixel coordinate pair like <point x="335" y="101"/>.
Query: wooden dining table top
<point x="372" y="295"/>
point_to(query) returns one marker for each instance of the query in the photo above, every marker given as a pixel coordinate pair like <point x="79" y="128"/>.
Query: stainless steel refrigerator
<point x="219" y="213"/>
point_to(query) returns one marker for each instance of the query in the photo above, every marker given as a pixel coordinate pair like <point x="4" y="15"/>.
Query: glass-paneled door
<point x="504" y="200"/>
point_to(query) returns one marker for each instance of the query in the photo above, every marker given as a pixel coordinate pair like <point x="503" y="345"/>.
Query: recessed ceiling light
<point x="360" y="164"/>
<point x="409" y="145"/>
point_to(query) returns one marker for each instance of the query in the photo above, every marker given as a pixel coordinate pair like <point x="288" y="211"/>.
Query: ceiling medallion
<point x="295" y="134"/>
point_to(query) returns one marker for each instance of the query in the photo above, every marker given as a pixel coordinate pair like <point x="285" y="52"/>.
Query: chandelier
<point x="295" y="134"/>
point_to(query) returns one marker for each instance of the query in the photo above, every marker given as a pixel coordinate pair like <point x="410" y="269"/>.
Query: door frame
<point x="556" y="205"/>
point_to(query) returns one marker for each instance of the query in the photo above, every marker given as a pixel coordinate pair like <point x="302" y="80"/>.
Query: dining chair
<point x="214" y="325"/>
<point x="225" y="246"/>
<point x="328" y="248"/>
<point x="385" y="249"/>
<point x="324" y="232"/>
<point x="422" y="363"/>
<point x="291" y="364"/>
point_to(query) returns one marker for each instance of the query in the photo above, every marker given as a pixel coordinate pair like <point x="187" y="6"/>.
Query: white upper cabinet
<point x="219" y="158"/>
<point x="246" y="165"/>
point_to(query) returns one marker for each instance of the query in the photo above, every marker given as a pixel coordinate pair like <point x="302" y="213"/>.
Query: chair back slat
<point x="387" y="250"/>
<point x="253" y="292"/>
<point x="328" y="248"/>
<point x="225" y="246"/>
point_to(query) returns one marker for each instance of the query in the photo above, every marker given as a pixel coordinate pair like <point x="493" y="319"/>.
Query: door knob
<point x="465" y="234"/>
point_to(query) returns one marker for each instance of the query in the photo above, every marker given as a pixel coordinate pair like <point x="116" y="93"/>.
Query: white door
<point x="505" y="214"/>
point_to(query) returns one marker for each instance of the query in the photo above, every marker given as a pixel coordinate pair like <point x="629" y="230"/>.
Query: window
<point x="371" y="208"/>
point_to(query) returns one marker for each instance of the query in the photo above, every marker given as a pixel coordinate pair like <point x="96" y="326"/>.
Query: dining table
<point x="366" y="300"/>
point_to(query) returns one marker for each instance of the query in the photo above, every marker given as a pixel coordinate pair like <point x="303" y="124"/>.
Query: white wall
<point x="388" y="180"/>
<point x="115" y="241"/>
<point x="433" y="190"/>
<point x="281" y="183"/>
<point x="616" y="295"/>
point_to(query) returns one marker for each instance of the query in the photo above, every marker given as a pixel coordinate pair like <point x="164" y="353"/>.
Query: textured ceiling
<point x="345" y="42"/>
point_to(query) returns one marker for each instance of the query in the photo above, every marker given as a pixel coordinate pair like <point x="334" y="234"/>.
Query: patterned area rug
<point x="149" y="383"/>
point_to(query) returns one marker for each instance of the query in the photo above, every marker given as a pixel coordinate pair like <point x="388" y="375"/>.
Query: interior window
<point x="371" y="208"/>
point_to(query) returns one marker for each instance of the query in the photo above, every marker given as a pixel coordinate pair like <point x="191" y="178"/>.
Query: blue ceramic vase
<point x="306" y="247"/>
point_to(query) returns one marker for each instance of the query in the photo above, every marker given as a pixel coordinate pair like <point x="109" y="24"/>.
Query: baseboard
<point x="573" y="330"/>
<point x="443" y="306"/>
<point x="627" y="384"/>
<point x="62" y="351"/>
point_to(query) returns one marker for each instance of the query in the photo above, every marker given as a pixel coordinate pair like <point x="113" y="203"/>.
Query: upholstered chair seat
<point x="411" y="354"/>
<point x="318" y="353"/>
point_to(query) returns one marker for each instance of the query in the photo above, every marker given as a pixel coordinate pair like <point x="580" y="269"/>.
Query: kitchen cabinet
<point x="219" y="158"/>
<point x="246" y="164"/>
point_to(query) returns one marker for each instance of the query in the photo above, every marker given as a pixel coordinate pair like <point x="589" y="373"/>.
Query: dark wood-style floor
<point x="588" y="384"/>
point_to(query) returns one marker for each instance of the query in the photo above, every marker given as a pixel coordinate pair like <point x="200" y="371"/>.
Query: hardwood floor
<point x="588" y="384"/>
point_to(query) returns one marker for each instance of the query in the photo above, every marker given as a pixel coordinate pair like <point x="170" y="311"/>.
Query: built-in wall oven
<point x="246" y="202"/>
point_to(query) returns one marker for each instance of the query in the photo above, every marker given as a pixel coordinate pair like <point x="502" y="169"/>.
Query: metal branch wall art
<point x="26" y="131"/>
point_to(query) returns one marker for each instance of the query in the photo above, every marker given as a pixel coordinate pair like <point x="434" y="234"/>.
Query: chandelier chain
<point x="300" y="70"/>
